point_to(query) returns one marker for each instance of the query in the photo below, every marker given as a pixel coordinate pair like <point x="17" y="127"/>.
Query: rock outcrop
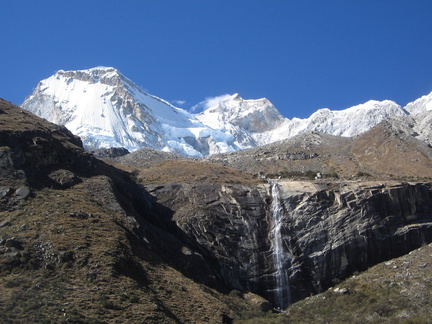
<point x="30" y="147"/>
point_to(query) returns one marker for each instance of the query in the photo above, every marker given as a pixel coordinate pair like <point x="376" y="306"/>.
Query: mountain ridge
<point x="106" y="109"/>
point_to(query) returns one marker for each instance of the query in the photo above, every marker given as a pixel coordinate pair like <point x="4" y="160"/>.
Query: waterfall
<point x="281" y="293"/>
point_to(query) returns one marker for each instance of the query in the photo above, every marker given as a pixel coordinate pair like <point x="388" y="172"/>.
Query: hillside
<point x="80" y="242"/>
<point x="387" y="151"/>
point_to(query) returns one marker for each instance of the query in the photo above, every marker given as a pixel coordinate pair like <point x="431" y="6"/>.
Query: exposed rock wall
<point x="339" y="231"/>
<point x="228" y="225"/>
<point x="329" y="233"/>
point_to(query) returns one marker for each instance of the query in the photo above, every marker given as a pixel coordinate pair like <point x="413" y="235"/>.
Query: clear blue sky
<point x="302" y="55"/>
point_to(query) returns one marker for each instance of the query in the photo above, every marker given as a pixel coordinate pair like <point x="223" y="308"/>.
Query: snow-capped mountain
<point x="263" y="122"/>
<point x="242" y="118"/>
<point x="106" y="109"/>
<point x="253" y="116"/>
<point x="420" y="119"/>
<point x="420" y="105"/>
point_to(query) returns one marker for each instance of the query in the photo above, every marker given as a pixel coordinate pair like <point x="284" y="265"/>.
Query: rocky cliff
<point x="328" y="231"/>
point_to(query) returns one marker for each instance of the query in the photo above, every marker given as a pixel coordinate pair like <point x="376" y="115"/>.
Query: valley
<point x="245" y="229"/>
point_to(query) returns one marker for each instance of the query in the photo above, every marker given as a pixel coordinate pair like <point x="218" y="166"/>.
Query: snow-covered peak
<point x="420" y="105"/>
<point x="348" y="122"/>
<point x="354" y="120"/>
<point x="97" y="69"/>
<point x="373" y="105"/>
<point x="106" y="109"/>
<point x="104" y="75"/>
<point x="258" y="115"/>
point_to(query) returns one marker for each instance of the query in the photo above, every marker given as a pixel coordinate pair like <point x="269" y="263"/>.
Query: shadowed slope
<point x="81" y="242"/>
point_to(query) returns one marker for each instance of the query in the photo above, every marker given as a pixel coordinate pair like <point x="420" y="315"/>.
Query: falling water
<point x="281" y="293"/>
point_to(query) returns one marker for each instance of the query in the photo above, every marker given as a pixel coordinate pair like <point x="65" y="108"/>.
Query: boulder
<point x="258" y="301"/>
<point x="22" y="192"/>
<point x="63" y="178"/>
<point x="13" y="243"/>
<point x="5" y="191"/>
<point x="5" y="223"/>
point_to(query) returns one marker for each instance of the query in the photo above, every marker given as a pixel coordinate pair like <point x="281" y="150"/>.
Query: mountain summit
<point x="106" y="109"/>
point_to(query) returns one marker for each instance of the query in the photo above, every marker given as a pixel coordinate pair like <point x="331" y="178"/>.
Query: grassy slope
<point x="187" y="171"/>
<point x="76" y="266"/>
<point x="66" y="255"/>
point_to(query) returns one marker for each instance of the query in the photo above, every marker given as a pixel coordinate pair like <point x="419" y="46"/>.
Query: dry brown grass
<point x="381" y="153"/>
<point x="78" y="265"/>
<point x="385" y="153"/>
<point x="396" y="291"/>
<point x="190" y="172"/>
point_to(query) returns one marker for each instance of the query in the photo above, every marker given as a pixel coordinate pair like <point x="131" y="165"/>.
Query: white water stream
<point x="281" y="292"/>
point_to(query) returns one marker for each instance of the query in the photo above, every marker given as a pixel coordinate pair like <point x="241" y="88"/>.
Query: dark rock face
<point x="228" y="223"/>
<point x="326" y="234"/>
<point x="35" y="152"/>
<point x="336" y="232"/>
<point x="111" y="152"/>
<point x="30" y="147"/>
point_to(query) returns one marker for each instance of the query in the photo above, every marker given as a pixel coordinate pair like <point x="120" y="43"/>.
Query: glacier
<point x="106" y="109"/>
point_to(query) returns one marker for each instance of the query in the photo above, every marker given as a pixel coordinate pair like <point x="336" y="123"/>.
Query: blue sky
<point x="301" y="55"/>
